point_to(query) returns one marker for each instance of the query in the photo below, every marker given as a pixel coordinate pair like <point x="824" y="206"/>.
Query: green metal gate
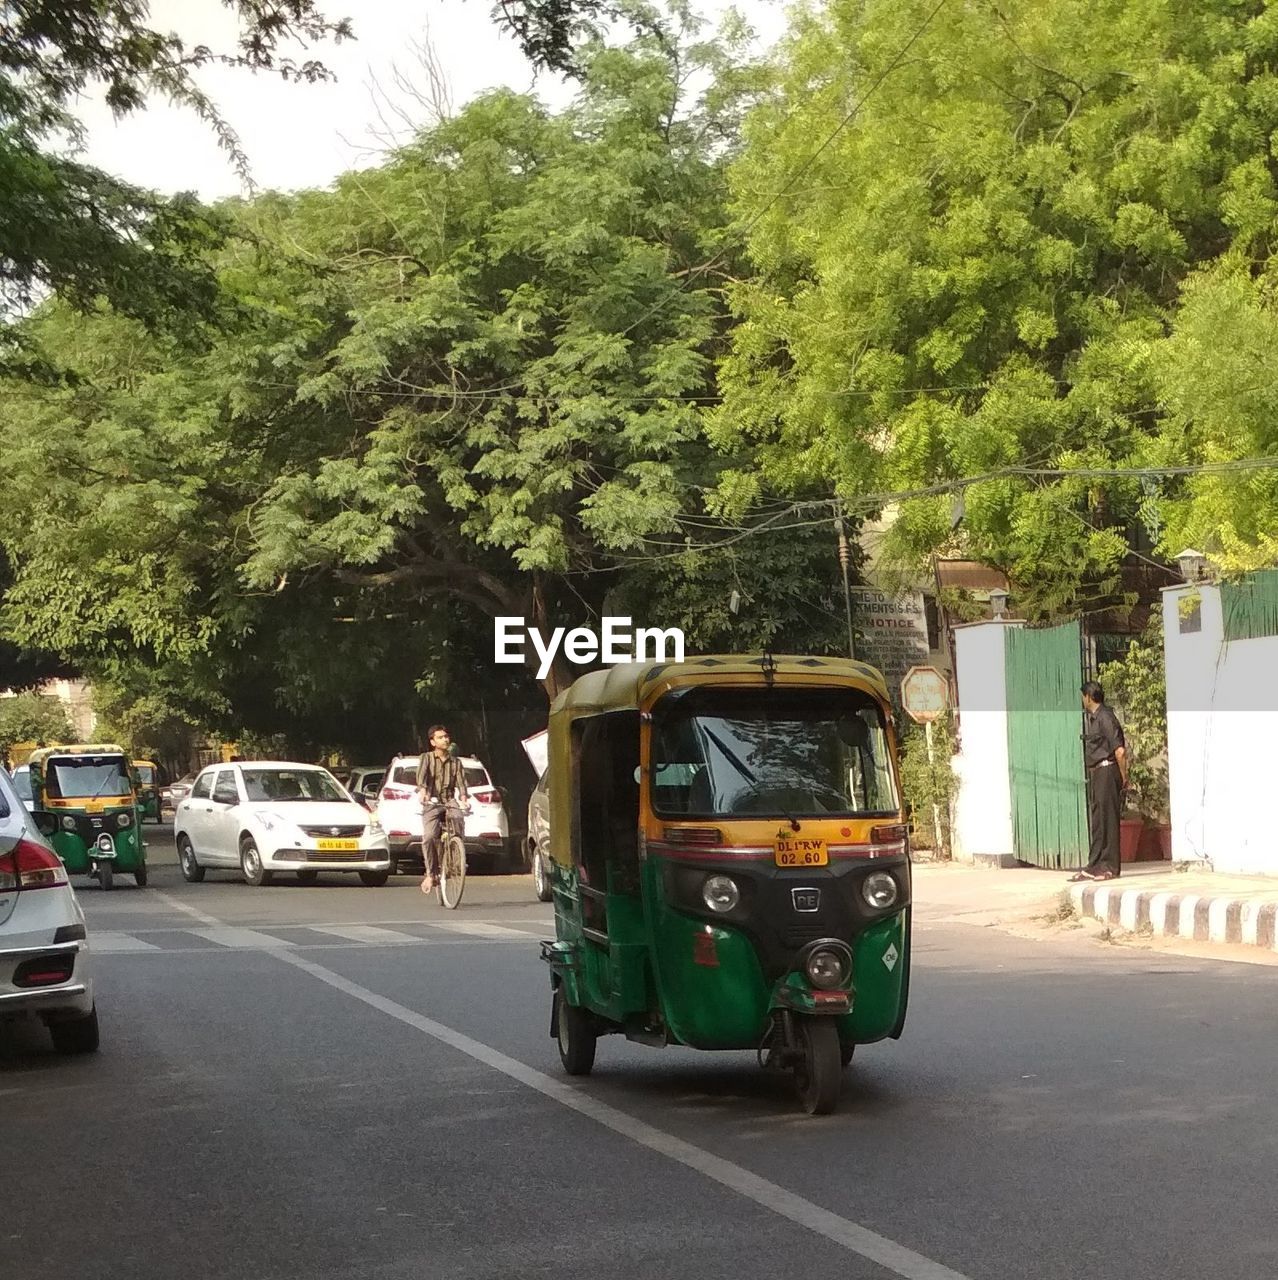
<point x="1044" y="669"/>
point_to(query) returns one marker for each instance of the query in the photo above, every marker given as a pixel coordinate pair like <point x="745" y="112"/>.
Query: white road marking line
<point x="103" y="940"/>
<point x="242" y="939"/>
<point x="176" y="904"/>
<point x="478" y="929"/>
<point x="841" y="1231"/>
<point x="362" y="933"/>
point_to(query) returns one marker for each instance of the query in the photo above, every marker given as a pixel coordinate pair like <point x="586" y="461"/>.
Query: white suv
<point x="487" y="830"/>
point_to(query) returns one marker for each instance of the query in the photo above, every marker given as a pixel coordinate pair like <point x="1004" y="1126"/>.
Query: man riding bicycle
<point x="440" y="778"/>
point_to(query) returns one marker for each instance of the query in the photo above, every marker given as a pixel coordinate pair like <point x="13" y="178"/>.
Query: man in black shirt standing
<point x="1105" y="756"/>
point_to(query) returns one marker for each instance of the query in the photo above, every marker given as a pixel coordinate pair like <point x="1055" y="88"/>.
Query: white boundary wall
<point x="1222" y="740"/>
<point x="983" y="804"/>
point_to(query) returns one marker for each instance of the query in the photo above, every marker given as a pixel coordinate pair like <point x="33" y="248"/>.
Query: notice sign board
<point x="891" y="632"/>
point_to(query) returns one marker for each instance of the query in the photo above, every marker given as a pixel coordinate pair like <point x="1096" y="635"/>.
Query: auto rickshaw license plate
<point x="801" y="851"/>
<point x="338" y="844"/>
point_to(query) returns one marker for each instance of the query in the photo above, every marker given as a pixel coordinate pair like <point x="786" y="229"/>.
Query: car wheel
<point x="307" y="877"/>
<point x="251" y="865"/>
<point x="80" y="1035"/>
<point x="541" y="877"/>
<point x="192" y="872"/>
<point x="374" y="879"/>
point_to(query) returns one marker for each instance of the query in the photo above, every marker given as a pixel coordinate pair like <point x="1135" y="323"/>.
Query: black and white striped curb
<point x="1251" y="922"/>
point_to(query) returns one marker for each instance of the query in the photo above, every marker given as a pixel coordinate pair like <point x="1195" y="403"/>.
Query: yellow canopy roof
<point x="77" y="749"/>
<point x="627" y="686"/>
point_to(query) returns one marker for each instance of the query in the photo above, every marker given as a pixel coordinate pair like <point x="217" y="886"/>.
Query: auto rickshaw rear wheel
<point x="845" y="1053"/>
<point x="576" y="1037"/>
<point x="817" y="1075"/>
<point x="139" y="876"/>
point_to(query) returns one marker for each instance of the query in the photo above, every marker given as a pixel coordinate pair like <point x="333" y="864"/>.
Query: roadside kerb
<point x="1247" y="921"/>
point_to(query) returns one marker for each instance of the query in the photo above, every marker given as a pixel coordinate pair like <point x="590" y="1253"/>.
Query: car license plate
<point x="801" y="851"/>
<point x="338" y="844"/>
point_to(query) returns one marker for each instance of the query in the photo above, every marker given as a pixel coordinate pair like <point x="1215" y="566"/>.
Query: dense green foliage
<point x="33" y="717"/>
<point x="462" y="385"/>
<point x="1136" y="687"/>
<point x="1046" y="223"/>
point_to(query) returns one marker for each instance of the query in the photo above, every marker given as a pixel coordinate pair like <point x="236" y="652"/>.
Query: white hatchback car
<point x="44" y="951"/>
<point x="265" y="816"/>
<point x="487" y="828"/>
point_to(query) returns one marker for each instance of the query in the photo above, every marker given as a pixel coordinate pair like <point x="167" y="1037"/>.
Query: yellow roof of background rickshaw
<point x="626" y="686"/>
<point x="77" y="749"/>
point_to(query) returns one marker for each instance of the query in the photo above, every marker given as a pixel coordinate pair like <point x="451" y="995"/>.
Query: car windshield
<point x="284" y="785"/>
<point x="775" y="753"/>
<point x="82" y="777"/>
<point x="404" y="775"/>
<point x="477" y="778"/>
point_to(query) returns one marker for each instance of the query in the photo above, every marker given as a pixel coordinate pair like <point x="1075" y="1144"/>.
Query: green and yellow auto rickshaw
<point x="149" y="778"/>
<point x="730" y="863"/>
<point x="83" y="799"/>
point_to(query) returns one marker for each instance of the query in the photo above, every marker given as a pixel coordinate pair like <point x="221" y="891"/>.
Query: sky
<point x="300" y="135"/>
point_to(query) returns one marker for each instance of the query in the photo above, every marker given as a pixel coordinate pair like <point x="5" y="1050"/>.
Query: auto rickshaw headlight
<point x="124" y="820"/>
<point x="826" y="968"/>
<point x="68" y="822"/>
<point x="880" y="890"/>
<point x="720" y="893"/>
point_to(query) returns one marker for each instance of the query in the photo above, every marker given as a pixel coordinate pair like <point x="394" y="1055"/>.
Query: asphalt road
<point x="303" y="1083"/>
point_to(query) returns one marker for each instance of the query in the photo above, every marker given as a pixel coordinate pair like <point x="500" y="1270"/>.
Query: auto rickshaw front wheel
<point x="105" y="874"/>
<point x="576" y="1037"/>
<point x="818" y="1074"/>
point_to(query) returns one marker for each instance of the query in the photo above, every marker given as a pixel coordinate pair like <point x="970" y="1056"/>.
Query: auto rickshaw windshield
<point x="84" y="777"/>
<point x="781" y="752"/>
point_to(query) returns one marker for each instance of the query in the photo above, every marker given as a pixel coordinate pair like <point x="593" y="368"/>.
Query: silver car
<point x="44" y="952"/>
<point x="539" y="837"/>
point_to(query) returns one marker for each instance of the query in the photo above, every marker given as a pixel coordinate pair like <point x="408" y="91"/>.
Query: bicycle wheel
<point x="452" y="872"/>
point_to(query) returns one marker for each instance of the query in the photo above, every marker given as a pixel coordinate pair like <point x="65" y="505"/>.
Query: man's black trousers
<point x="1104" y="809"/>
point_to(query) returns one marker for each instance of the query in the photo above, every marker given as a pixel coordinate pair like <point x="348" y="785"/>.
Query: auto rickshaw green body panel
<point x="635" y="947"/>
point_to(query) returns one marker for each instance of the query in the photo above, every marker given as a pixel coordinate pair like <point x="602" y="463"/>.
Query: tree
<point x="70" y="229"/>
<point x="33" y="717"/>
<point x="472" y="375"/>
<point x="970" y="227"/>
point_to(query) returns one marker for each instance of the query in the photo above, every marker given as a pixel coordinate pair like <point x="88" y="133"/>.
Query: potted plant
<point x="1136" y="687"/>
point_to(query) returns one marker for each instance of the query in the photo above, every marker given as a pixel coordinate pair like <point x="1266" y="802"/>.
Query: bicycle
<point x="451" y="883"/>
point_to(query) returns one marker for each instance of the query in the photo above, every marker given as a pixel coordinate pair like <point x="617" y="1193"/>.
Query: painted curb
<point x="1247" y="922"/>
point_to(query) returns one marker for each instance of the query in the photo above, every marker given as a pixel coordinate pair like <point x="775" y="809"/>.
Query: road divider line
<point x="841" y="1231"/>
<point x="184" y="908"/>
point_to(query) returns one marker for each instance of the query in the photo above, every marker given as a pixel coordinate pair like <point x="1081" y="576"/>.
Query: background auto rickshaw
<point x="150" y="778"/>
<point x="730" y="863"/>
<point x="83" y="799"/>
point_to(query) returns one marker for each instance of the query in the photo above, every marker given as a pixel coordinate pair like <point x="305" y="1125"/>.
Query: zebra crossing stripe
<point x="227" y="936"/>
<point x="108" y="940"/>
<point x="477" y="929"/>
<point x="364" y="933"/>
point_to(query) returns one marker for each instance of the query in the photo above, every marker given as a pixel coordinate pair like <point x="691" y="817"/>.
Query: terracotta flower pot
<point x="1129" y="833"/>
<point x="1148" y="849"/>
<point x="1164" y="842"/>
